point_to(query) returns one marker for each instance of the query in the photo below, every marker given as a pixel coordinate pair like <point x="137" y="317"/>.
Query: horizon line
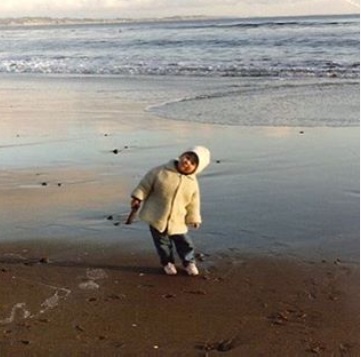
<point x="69" y="18"/>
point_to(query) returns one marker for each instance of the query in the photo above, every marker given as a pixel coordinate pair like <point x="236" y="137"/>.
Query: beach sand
<point x="278" y="249"/>
<point x="108" y="302"/>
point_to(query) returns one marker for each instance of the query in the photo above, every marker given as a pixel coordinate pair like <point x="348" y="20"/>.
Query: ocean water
<point x="312" y="61"/>
<point x="284" y="65"/>
<point x="264" y="47"/>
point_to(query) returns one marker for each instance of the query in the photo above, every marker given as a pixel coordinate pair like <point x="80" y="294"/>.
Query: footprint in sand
<point x="92" y="275"/>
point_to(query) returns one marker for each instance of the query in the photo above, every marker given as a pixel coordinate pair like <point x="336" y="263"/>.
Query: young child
<point x="170" y="201"/>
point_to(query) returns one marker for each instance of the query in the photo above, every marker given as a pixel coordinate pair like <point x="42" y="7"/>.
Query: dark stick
<point x="132" y="215"/>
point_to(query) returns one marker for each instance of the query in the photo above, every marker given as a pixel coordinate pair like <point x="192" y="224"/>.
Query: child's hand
<point x="135" y="203"/>
<point x="195" y="225"/>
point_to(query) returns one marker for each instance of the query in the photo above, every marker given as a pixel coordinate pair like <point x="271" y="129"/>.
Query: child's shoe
<point x="170" y="269"/>
<point x="192" y="269"/>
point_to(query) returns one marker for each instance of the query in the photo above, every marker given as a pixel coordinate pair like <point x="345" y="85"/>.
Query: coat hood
<point x="204" y="157"/>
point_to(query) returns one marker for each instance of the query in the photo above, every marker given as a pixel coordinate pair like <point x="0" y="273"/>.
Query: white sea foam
<point x="89" y="285"/>
<point x="23" y="313"/>
<point x="93" y="275"/>
<point x="96" y="274"/>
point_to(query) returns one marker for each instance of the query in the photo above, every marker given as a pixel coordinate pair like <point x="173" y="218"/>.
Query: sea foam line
<point x="49" y="303"/>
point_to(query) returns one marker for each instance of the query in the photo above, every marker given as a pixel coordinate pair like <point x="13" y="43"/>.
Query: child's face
<point x="187" y="164"/>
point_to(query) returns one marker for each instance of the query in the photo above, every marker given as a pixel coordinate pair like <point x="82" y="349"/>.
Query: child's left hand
<point x="195" y="225"/>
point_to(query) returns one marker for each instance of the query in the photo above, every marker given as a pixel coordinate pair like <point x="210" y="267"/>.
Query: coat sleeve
<point x="145" y="186"/>
<point x="194" y="209"/>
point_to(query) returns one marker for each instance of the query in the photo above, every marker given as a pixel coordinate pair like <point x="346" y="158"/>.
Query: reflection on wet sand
<point x="76" y="152"/>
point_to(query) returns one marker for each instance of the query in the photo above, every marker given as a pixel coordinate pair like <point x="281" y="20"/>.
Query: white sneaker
<point x="170" y="269"/>
<point x="192" y="269"/>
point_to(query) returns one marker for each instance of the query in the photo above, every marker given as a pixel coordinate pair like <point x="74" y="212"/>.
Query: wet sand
<point x="279" y="247"/>
<point x="111" y="303"/>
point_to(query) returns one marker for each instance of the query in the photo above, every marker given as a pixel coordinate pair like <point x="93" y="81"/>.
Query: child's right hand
<point x="135" y="203"/>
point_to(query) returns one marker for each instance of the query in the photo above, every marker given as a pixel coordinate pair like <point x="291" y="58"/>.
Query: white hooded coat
<point x="171" y="200"/>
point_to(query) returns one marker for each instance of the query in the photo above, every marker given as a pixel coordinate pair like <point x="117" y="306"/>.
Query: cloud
<point x="101" y="7"/>
<point x="158" y="8"/>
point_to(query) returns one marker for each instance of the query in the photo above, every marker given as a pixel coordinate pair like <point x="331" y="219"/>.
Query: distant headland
<point x="42" y="21"/>
<point x="58" y="21"/>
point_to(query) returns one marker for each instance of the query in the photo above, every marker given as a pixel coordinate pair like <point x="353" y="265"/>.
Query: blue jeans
<point x="164" y="245"/>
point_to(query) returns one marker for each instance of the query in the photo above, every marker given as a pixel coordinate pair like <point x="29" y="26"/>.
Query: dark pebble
<point x="225" y="346"/>
<point x="200" y="257"/>
<point x="79" y="328"/>
<point x="168" y="296"/>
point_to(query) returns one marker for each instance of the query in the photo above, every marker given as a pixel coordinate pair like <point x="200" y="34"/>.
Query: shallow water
<point x="281" y="190"/>
<point x="301" y="103"/>
<point x="270" y="189"/>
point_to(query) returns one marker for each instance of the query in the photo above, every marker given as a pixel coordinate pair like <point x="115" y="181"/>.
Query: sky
<point x="165" y="8"/>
